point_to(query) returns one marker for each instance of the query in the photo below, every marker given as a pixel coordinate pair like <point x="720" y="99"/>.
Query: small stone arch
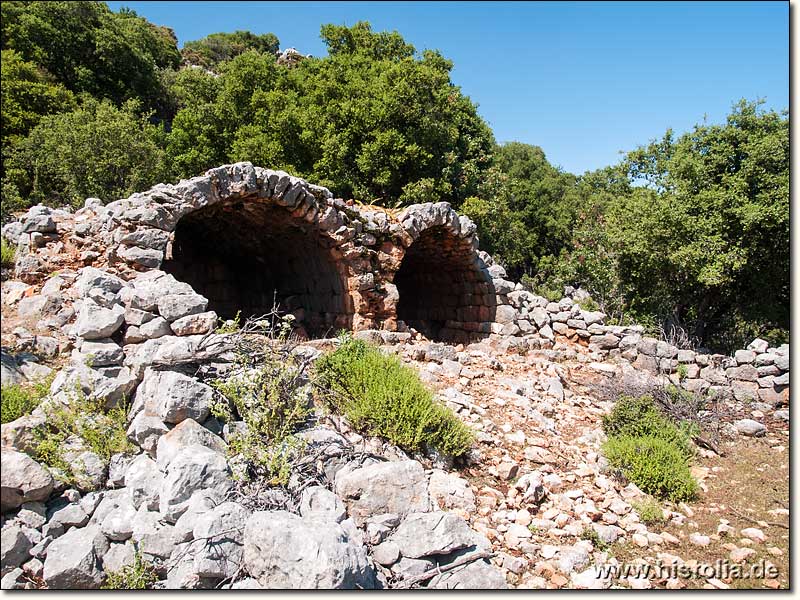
<point x="444" y="290"/>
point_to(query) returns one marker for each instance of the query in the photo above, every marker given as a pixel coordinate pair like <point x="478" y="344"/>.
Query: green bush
<point x="649" y="510"/>
<point x="657" y="466"/>
<point x="381" y="396"/>
<point x="8" y="254"/>
<point x="640" y="417"/>
<point x="139" y="575"/>
<point x="269" y="391"/>
<point x="20" y="399"/>
<point x="103" y="432"/>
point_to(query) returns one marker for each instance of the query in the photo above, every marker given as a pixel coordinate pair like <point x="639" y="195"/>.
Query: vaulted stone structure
<point x="247" y="237"/>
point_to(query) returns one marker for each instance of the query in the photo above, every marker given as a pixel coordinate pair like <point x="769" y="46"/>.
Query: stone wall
<point x="242" y="236"/>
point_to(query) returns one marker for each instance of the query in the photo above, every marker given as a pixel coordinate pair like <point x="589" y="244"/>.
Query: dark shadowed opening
<point x="443" y="291"/>
<point x="245" y="255"/>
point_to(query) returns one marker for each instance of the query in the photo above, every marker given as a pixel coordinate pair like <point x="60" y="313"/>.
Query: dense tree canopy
<point x="218" y="48"/>
<point x="88" y="48"/>
<point x="372" y="121"/>
<point x="688" y="232"/>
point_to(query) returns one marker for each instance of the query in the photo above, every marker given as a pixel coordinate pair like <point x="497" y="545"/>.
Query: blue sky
<point x="583" y="80"/>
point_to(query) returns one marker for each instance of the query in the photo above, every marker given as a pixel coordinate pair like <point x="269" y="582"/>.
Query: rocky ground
<point x="540" y="482"/>
<point x="533" y="505"/>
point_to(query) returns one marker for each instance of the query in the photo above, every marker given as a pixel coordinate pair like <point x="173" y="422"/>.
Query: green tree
<point x="28" y="93"/>
<point x="217" y="48"/>
<point x="96" y="150"/>
<point x="699" y="238"/>
<point x="372" y="121"/>
<point x="88" y="48"/>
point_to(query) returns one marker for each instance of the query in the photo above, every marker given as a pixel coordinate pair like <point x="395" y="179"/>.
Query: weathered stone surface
<point x="101" y="353"/>
<point x="118" y="556"/>
<point x="14" y="547"/>
<point x="22" y="479"/>
<point x="143" y="481"/>
<point x="391" y="487"/>
<point x="313" y="554"/>
<point x="174" y="306"/>
<point x="450" y="491"/>
<point x="145" y="430"/>
<point x="320" y="503"/>
<point x="746" y="372"/>
<point x="118" y="525"/>
<point x="193" y="468"/>
<point x="751" y="428"/>
<point x="219" y="536"/>
<point x="18" y="434"/>
<point x="96" y="322"/>
<point x="74" y="560"/>
<point x="153" y="329"/>
<point x="91" y="277"/>
<point x="174" y="396"/>
<point x="186" y="433"/>
<point x="476" y="575"/>
<point x="155" y="538"/>
<point x="195" y="324"/>
<point x="436" y="533"/>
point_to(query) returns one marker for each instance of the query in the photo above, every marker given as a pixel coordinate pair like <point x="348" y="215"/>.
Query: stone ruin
<point x="134" y="291"/>
<point x="245" y="238"/>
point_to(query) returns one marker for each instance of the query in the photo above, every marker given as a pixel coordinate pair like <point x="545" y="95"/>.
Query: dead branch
<point x="407" y="583"/>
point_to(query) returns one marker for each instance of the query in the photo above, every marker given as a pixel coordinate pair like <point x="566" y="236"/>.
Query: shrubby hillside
<point x="688" y="233"/>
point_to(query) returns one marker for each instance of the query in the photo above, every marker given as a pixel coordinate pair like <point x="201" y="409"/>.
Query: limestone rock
<point x="428" y="534"/>
<point x="390" y="487"/>
<point x="220" y="535"/>
<point x="22" y="479"/>
<point x="320" y="503"/>
<point x="193" y="468"/>
<point x="74" y="560"/>
<point x="312" y="555"/>
<point x="186" y="433"/>
<point x="96" y="322"/>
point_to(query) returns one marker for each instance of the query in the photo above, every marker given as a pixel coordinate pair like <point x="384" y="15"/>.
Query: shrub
<point x="640" y="417"/>
<point x="20" y="399"/>
<point x="139" y="575"/>
<point x="381" y="396"/>
<point x="649" y="510"/>
<point x="270" y="392"/>
<point x="8" y="254"/>
<point x="103" y="432"/>
<point x="657" y="466"/>
<point x="591" y="535"/>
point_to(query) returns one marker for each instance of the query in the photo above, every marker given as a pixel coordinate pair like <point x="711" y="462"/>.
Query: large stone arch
<point x="246" y="238"/>
<point x="443" y="288"/>
<point x="246" y="255"/>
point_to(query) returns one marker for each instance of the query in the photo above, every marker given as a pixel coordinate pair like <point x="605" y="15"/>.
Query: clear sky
<point x="583" y="80"/>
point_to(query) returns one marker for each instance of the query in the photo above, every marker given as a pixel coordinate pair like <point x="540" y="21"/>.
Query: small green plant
<point x="649" y="511"/>
<point x="139" y="575"/>
<point x="656" y="465"/>
<point x="641" y="417"/>
<point x="231" y="325"/>
<point x="20" y="399"/>
<point x="683" y="372"/>
<point x="591" y="535"/>
<point x="103" y="432"/>
<point x="651" y="449"/>
<point x="382" y="396"/>
<point x="8" y="254"/>
<point x="269" y="391"/>
<point x="588" y="304"/>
